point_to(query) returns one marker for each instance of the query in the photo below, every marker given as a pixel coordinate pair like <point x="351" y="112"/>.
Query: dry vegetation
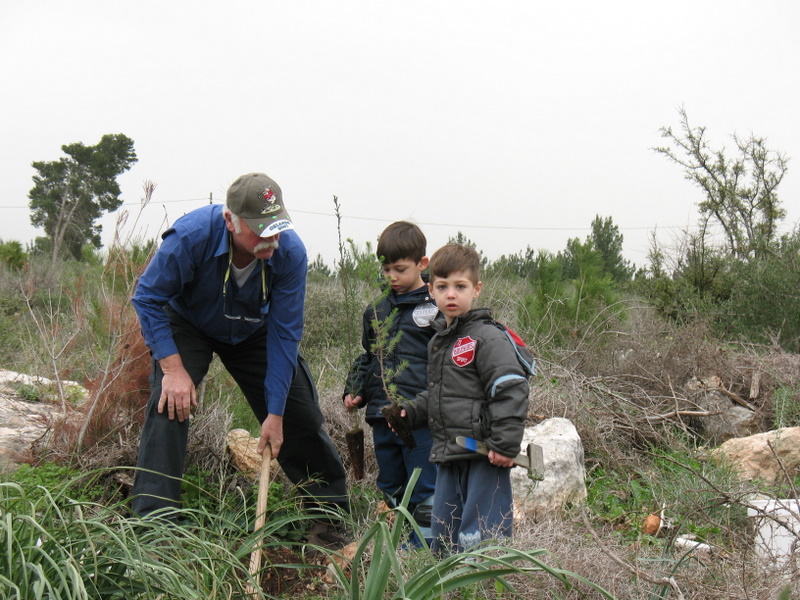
<point x="630" y="390"/>
<point x="626" y="395"/>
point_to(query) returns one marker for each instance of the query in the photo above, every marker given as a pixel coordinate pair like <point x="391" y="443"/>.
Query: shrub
<point x="764" y="305"/>
<point x="12" y="255"/>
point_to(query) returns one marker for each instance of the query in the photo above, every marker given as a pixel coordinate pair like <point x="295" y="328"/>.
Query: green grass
<point x="39" y="480"/>
<point x="379" y="571"/>
<point x="697" y="497"/>
<point x="786" y="407"/>
<point x="57" y="546"/>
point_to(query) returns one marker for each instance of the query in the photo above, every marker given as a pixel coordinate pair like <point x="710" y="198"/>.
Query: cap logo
<point x="270" y="205"/>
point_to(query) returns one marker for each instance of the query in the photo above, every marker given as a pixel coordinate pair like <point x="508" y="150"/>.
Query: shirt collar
<point x="224" y="246"/>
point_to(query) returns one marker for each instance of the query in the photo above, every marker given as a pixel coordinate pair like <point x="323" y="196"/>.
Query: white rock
<point x="564" y="475"/>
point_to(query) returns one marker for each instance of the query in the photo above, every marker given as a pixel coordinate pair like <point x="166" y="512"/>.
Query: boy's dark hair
<point x="452" y="258"/>
<point x="401" y="240"/>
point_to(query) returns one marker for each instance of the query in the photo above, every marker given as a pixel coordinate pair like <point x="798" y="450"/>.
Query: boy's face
<point x="405" y="275"/>
<point x="454" y="294"/>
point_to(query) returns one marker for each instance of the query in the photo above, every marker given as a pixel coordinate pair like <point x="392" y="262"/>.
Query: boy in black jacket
<point x="407" y="312"/>
<point x="477" y="389"/>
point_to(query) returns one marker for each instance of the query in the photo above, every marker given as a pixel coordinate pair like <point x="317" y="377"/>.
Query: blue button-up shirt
<point x="188" y="271"/>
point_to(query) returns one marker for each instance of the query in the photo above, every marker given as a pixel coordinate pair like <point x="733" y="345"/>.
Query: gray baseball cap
<point x="258" y="200"/>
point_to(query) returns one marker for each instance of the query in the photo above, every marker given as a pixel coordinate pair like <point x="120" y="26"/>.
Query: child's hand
<point x="351" y="403"/>
<point x="498" y="460"/>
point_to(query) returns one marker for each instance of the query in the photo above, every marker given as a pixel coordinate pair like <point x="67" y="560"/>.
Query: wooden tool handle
<point x="261" y="516"/>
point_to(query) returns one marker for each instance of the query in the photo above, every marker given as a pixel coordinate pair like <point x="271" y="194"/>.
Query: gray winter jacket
<point x="476" y="388"/>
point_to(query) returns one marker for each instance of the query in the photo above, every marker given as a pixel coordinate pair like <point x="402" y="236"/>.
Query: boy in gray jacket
<point x="476" y="388"/>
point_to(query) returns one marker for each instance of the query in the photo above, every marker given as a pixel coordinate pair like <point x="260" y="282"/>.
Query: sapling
<point x="355" y="436"/>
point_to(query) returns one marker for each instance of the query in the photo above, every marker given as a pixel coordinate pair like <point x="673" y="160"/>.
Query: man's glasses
<point x="226" y="309"/>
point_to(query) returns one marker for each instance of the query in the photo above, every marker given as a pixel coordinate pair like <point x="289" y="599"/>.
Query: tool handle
<point x="263" y="488"/>
<point x="261" y="516"/>
<point x="521" y="460"/>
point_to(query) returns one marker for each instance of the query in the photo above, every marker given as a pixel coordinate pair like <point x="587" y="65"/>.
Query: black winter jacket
<point x="411" y="321"/>
<point x="476" y="388"/>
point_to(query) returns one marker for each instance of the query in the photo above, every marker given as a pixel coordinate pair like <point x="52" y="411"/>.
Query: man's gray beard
<point x="265" y="246"/>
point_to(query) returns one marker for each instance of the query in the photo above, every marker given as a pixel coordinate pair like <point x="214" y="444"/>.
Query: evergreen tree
<point x="71" y="193"/>
<point x="606" y="239"/>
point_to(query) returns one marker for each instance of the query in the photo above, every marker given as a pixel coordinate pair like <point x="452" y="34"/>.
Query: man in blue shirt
<point x="231" y="281"/>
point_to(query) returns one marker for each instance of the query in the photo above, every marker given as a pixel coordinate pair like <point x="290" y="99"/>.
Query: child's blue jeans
<point x="473" y="503"/>
<point x="396" y="462"/>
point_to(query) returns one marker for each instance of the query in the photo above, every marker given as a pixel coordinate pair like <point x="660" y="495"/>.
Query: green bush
<point x="52" y="476"/>
<point x="12" y="255"/>
<point x="563" y="315"/>
<point x="764" y="304"/>
<point x="753" y="298"/>
<point x="786" y="407"/>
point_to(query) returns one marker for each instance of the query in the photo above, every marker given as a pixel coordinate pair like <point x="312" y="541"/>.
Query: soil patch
<point x="355" y="450"/>
<point x="399" y="425"/>
<point x="284" y="573"/>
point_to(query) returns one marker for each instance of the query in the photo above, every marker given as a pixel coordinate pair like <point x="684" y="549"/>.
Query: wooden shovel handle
<point x="261" y="516"/>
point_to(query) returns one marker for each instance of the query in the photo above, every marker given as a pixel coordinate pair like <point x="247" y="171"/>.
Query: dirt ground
<point x="279" y="579"/>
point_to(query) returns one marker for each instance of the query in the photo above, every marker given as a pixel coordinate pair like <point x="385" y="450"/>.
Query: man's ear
<point x="423" y="263"/>
<point x="477" y="291"/>
<point x="228" y="221"/>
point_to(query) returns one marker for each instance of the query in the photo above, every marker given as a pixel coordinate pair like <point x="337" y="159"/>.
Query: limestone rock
<point x="565" y="474"/>
<point x="729" y="416"/>
<point x="242" y="448"/>
<point x="46" y="389"/>
<point x="23" y="423"/>
<point x="752" y="458"/>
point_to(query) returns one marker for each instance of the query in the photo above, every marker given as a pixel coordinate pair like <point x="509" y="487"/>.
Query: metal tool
<point x="533" y="460"/>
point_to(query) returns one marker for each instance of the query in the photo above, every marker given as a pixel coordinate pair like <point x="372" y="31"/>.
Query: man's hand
<point x="498" y="460"/>
<point x="272" y="434"/>
<point x="351" y="403"/>
<point x="177" y="389"/>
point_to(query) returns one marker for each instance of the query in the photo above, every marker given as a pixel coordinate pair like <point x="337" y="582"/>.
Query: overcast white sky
<point x="514" y="122"/>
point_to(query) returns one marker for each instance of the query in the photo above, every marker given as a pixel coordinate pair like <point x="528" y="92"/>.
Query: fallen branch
<point x="736" y="398"/>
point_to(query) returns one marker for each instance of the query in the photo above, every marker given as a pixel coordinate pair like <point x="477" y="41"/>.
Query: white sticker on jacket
<point x="464" y="351"/>
<point x="424" y="314"/>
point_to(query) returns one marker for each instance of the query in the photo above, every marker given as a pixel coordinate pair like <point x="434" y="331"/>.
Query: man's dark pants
<point x="307" y="456"/>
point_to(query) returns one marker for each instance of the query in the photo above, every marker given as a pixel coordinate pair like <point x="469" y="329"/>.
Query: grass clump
<point x="59" y="547"/>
